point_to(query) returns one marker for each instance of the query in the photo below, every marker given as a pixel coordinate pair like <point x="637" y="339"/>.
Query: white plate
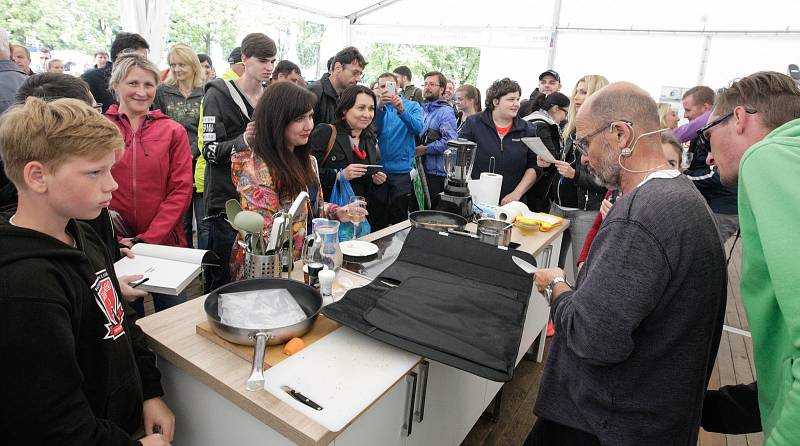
<point x="358" y="248"/>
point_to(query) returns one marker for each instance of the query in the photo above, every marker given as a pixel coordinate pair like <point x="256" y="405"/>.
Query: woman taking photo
<point x="179" y="98"/>
<point x="354" y="145"/>
<point x="280" y="165"/>
<point x="154" y="172"/>
<point x="468" y="102"/>
<point x="576" y="193"/>
<point x="497" y="132"/>
<point x="550" y="111"/>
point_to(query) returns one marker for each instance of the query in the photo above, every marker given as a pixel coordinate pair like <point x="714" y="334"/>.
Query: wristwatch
<point x="548" y="290"/>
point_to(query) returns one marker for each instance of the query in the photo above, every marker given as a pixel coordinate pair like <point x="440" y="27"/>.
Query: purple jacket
<point x="688" y="131"/>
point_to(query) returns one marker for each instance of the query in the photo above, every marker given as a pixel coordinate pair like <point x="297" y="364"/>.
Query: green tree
<point x="308" y="40"/>
<point x="201" y="23"/>
<point x="57" y="24"/>
<point x="460" y="63"/>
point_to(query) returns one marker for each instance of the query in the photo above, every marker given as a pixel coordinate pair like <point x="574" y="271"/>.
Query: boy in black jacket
<point x="78" y="370"/>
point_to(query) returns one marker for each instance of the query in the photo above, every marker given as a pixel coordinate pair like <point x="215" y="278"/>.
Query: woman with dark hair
<point x="348" y="146"/>
<point x="549" y="112"/>
<point x="280" y="165"/>
<point x="497" y="131"/>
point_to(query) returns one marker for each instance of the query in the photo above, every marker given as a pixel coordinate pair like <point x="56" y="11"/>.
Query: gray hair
<point x="5" y="45"/>
<point x="126" y="61"/>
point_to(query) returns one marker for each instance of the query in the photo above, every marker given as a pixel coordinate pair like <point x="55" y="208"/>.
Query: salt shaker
<point x="326" y="278"/>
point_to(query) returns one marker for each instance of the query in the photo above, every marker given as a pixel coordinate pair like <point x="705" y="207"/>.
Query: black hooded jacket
<point x="224" y="124"/>
<point x="76" y="368"/>
<point x="325" y="110"/>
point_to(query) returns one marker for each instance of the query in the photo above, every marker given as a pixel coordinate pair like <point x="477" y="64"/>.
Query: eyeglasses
<point x="703" y="133"/>
<point x="582" y="144"/>
<point x="432" y="84"/>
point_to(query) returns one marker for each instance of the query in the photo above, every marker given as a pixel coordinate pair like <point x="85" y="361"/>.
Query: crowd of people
<point x="130" y="154"/>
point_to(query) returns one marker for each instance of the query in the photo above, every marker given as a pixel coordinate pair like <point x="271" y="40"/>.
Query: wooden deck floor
<point x="734" y="365"/>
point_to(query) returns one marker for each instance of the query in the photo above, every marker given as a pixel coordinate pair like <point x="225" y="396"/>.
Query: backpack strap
<point x="237" y="98"/>
<point x="331" y="140"/>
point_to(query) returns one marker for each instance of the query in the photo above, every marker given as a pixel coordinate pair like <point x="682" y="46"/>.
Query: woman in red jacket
<point x="154" y="172"/>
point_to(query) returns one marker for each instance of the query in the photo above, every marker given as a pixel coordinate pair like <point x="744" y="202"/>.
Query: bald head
<point x="622" y="101"/>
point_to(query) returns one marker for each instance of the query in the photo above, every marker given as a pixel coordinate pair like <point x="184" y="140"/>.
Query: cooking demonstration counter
<point x="404" y="399"/>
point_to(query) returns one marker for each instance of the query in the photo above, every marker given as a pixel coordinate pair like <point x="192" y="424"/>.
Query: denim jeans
<point x="196" y="211"/>
<point x="221" y="237"/>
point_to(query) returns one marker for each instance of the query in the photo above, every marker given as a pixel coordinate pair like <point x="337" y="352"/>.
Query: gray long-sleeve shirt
<point x="636" y="341"/>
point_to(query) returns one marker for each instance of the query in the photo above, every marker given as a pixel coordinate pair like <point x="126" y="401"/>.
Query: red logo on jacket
<point x="107" y="299"/>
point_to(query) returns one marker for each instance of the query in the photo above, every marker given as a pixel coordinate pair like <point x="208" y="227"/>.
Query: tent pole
<point x="369" y="10"/>
<point x="551" y="53"/>
<point x="701" y="76"/>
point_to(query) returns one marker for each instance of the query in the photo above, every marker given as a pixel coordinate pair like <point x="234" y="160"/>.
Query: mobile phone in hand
<point x="372" y="169"/>
<point x="391" y="87"/>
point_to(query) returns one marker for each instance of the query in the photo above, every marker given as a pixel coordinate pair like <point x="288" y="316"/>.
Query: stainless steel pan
<point x="308" y="298"/>
<point x="437" y="220"/>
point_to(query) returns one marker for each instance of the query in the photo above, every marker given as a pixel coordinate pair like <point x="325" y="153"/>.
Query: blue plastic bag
<point x="341" y="195"/>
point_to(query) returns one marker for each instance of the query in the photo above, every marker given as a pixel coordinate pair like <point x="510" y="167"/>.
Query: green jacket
<point x="769" y="214"/>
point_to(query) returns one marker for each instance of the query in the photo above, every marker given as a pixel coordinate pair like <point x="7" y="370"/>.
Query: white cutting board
<point x="344" y="372"/>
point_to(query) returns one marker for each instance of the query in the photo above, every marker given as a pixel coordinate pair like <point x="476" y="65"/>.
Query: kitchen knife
<point x="300" y="397"/>
<point x="524" y="265"/>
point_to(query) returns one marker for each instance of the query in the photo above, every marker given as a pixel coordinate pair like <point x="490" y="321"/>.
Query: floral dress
<point x="251" y="177"/>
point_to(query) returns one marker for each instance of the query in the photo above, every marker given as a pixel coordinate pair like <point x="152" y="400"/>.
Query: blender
<point x="458" y="159"/>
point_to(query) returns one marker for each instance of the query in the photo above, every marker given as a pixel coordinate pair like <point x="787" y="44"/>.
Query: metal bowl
<point x="495" y="232"/>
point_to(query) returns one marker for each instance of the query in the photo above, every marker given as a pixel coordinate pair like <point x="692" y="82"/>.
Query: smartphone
<point x="391" y="88"/>
<point x="372" y="169"/>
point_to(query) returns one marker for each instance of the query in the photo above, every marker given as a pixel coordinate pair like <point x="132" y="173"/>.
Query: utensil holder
<point x="257" y="266"/>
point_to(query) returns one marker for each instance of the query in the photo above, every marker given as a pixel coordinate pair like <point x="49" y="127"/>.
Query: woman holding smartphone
<point x="350" y="144"/>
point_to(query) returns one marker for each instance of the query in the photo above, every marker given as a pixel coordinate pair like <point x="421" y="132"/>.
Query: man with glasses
<point x="697" y="104"/>
<point x="439" y="127"/>
<point x="638" y="334"/>
<point x="348" y="66"/>
<point x="754" y="133"/>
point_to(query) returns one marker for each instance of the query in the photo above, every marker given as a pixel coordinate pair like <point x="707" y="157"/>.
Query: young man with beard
<point x="639" y="332"/>
<point x="226" y="109"/>
<point x="439" y="127"/>
<point x="348" y="66"/>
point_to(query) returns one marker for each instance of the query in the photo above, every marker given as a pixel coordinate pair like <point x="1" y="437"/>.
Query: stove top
<point x="389" y="247"/>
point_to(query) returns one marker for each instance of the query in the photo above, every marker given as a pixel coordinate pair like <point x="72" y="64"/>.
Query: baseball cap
<point x="550" y="73"/>
<point x="235" y="56"/>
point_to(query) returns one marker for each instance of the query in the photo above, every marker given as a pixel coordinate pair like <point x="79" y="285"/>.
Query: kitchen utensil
<point x="459" y="157"/>
<point x="308" y="298"/>
<point x="232" y="208"/>
<point x="300" y="397"/>
<point x="301" y="197"/>
<point x="524" y="265"/>
<point x="358" y="248"/>
<point x="252" y="223"/>
<point x="495" y="232"/>
<point x="275" y="231"/>
<point x="437" y="220"/>
<point x="286" y="231"/>
<point x="322" y="245"/>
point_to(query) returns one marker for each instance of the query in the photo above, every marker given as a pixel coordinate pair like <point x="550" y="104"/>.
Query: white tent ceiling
<point x="652" y="43"/>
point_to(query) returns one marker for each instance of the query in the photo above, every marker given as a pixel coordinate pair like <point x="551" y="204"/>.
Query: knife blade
<point x="524" y="265"/>
<point x="300" y="397"/>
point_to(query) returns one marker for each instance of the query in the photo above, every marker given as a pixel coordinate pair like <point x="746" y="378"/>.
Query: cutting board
<point x="344" y="372"/>
<point x="322" y="326"/>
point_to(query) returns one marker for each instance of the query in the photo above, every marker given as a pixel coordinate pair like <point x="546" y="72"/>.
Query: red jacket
<point x="154" y="176"/>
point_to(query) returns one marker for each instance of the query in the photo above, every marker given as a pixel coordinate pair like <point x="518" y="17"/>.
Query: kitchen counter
<point x="193" y="364"/>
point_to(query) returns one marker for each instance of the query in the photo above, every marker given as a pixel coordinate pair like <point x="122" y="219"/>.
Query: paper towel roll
<point x="486" y="190"/>
<point x="510" y="211"/>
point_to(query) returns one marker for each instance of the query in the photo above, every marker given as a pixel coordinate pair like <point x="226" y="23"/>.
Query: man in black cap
<point x="237" y="67"/>
<point x="549" y="82"/>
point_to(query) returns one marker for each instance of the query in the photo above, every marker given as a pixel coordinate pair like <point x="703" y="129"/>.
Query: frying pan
<point x="308" y="298"/>
<point x="437" y="220"/>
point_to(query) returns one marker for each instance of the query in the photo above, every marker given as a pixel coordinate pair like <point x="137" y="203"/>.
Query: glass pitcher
<point x="323" y="245"/>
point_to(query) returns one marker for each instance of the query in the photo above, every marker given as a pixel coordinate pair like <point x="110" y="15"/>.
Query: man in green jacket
<point x="754" y="133"/>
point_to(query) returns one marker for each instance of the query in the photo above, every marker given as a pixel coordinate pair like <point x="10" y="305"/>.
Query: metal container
<point x="437" y="220"/>
<point x="257" y="266"/>
<point x="458" y="160"/>
<point x="308" y="298"/>
<point x="495" y="232"/>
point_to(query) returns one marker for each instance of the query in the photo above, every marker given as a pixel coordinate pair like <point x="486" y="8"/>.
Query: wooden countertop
<point x="171" y="333"/>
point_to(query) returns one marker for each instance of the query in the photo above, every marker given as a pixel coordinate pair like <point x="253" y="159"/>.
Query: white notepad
<point x="169" y="269"/>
